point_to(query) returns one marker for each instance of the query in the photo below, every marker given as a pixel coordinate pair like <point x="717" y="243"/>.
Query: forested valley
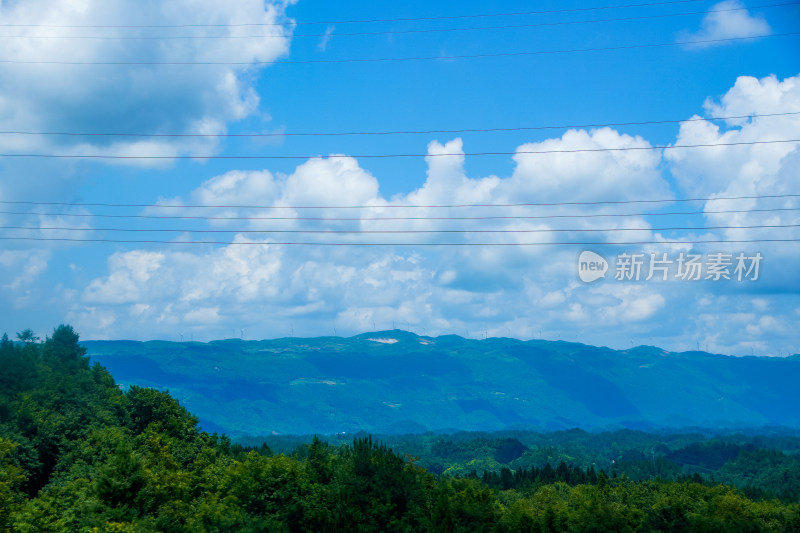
<point x="77" y="453"/>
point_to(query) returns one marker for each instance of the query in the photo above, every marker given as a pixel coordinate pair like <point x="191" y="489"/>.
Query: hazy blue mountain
<point x="398" y="382"/>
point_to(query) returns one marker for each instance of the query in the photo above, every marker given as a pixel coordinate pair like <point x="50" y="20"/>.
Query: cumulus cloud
<point x="150" y="98"/>
<point x="144" y="98"/>
<point x="259" y="287"/>
<point x="746" y="170"/>
<point x="727" y="20"/>
<point x="333" y="181"/>
<point x="627" y="170"/>
<point x="131" y="272"/>
<point x="237" y="188"/>
<point x="587" y="166"/>
<point x="439" y="289"/>
<point x="270" y="289"/>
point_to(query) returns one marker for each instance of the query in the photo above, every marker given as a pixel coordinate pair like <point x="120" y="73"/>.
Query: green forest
<point x="77" y="453"/>
<point x="763" y="464"/>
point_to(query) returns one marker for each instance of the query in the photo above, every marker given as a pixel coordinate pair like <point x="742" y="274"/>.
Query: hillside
<point x="398" y="382"/>
<point x="77" y="454"/>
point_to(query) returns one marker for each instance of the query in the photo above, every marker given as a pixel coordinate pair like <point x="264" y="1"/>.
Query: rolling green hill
<point x="398" y="382"/>
<point x="78" y="454"/>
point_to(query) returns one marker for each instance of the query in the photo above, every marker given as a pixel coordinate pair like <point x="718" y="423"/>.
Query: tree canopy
<point x="79" y="454"/>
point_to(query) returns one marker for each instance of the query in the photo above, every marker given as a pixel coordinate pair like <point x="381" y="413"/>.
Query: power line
<point x="389" y="32"/>
<point x="387" y="156"/>
<point x="397" y="132"/>
<point x="404" y="206"/>
<point x="352" y="219"/>
<point x="363" y="232"/>
<point x="564" y="243"/>
<point x="389" y="59"/>
<point x="362" y="21"/>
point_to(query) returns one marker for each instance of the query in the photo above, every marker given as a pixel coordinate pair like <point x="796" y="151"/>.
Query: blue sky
<point x="282" y="68"/>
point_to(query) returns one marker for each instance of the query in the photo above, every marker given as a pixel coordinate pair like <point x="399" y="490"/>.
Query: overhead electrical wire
<point x="362" y="21"/>
<point x="389" y="156"/>
<point x="391" y="32"/>
<point x="472" y="244"/>
<point x="405" y="206"/>
<point x="396" y="132"/>
<point x="401" y="231"/>
<point x="351" y="219"/>
<point x="364" y="60"/>
<point x="392" y="59"/>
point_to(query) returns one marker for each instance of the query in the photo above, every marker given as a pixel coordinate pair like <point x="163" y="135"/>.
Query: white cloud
<point x="613" y="304"/>
<point x="332" y="181"/>
<point x="148" y="98"/>
<point x="21" y="278"/>
<point x="237" y="188"/>
<point x="22" y="267"/>
<point x="273" y="289"/>
<point x="447" y="182"/>
<point x="202" y="315"/>
<point x="325" y="39"/>
<point x="102" y="320"/>
<point x="747" y="170"/>
<point x="627" y="170"/>
<point x="131" y="272"/>
<point x="734" y="325"/>
<point x="726" y="20"/>
<point x="354" y="287"/>
<point x="767" y="95"/>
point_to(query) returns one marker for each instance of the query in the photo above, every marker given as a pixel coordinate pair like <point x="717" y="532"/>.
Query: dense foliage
<point x="79" y="454"/>
<point x="764" y="465"/>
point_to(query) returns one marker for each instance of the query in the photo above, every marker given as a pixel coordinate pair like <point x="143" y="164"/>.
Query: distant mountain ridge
<point x="399" y="382"/>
